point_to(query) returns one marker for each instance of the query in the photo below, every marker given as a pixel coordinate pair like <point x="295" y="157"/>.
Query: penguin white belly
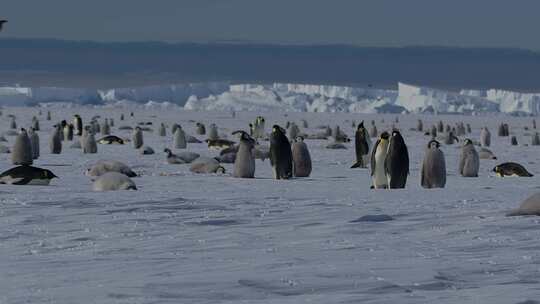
<point x="39" y="182"/>
<point x="9" y="180"/>
<point x="379" y="179"/>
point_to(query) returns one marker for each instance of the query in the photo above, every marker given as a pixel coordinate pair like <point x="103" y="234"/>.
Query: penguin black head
<point x="385" y="135"/>
<point x="47" y="174"/>
<point x="244" y="136"/>
<point x="434" y="144"/>
<point x="361" y="125"/>
<point x="2" y="22"/>
<point x="278" y="130"/>
<point x="467" y="141"/>
<point x="167" y="151"/>
<point x="496" y="169"/>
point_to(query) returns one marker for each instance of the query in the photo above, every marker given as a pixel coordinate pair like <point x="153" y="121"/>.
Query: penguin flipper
<point x="18" y="181"/>
<point x="373" y="157"/>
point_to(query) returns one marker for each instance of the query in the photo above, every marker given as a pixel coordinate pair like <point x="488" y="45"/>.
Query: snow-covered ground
<point x="186" y="238"/>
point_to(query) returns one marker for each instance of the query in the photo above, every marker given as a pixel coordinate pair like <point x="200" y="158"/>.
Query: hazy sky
<point x="490" y="23"/>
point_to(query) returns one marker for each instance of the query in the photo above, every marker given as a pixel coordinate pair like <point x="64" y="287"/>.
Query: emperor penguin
<point x="162" y="130"/>
<point x="433" y="167"/>
<point x="374" y="133"/>
<point x="77" y="123"/>
<point x="534" y="123"/>
<point x="137" y="138"/>
<point x="440" y="127"/>
<point x="105" y="127"/>
<point x="34" y="142"/>
<point x="48" y="115"/>
<point x="22" y="149"/>
<point x="397" y="162"/>
<point x="433" y="131"/>
<point x="103" y="166"/>
<point x="68" y="132"/>
<point x="27" y="175"/>
<point x="469" y="161"/>
<point x="535" y="139"/>
<point x="13" y="123"/>
<point x="293" y="131"/>
<point x="113" y="181"/>
<point x="301" y="158"/>
<point x="55" y="141"/>
<point x="513" y="141"/>
<point x="213" y="132"/>
<point x="420" y="126"/>
<point x="35" y="123"/>
<point x="88" y="141"/>
<point x="469" y="130"/>
<point x="180" y="139"/>
<point x="280" y="154"/>
<point x="206" y="165"/>
<point x="200" y="129"/>
<point x="361" y="146"/>
<point x="244" y="164"/>
<point x="511" y="169"/>
<point x="485" y="137"/>
<point x="378" y="156"/>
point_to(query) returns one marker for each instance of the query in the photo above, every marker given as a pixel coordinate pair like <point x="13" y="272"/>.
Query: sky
<point x="463" y="23"/>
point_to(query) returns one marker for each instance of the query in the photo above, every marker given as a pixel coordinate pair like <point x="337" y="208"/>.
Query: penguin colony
<point x="287" y="150"/>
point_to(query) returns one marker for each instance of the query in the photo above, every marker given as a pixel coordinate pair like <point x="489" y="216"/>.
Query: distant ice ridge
<point x="298" y="98"/>
<point x="283" y="97"/>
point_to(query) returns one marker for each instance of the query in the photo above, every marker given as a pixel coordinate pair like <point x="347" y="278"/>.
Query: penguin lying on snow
<point x="206" y="165"/>
<point x="511" y="169"/>
<point x="103" y="166"/>
<point x="27" y="175"/>
<point x="181" y="158"/>
<point x="111" y="139"/>
<point x="112" y="181"/>
<point x="219" y="143"/>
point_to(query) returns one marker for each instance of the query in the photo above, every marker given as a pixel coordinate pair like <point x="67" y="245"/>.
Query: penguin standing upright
<point x="13" y="123"/>
<point x="77" y="123"/>
<point x="485" y="137"/>
<point x="34" y="142"/>
<point x="244" y="164"/>
<point x="301" y="158"/>
<point x="213" y="132"/>
<point x="88" y="141"/>
<point x="378" y="157"/>
<point x="180" y="139"/>
<point x="420" y="126"/>
<point x="280" y="153"/>
<point x="22" y="149"/>
<point x="35" y="123"/>
<point x="397" y="162"/>
<point x="162" y="130"/>
<point x="433" y="167"/>
<point x="105" y="127"/>
<point x="55" y="141"/>
<point x="361" y="145"/>
<point x="469" y="161"/>
<point x="200" y="129"/>
<point x="293" y="131"/>
<point x="68" y="132"/>
<point x="137" y="138"/>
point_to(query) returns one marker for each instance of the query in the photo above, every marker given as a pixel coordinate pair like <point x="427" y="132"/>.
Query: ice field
<point x="212" y="238"/>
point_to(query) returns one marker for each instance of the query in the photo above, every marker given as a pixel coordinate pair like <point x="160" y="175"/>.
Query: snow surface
<point x="288" y="97"/>
<point x="186" y="238"/>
